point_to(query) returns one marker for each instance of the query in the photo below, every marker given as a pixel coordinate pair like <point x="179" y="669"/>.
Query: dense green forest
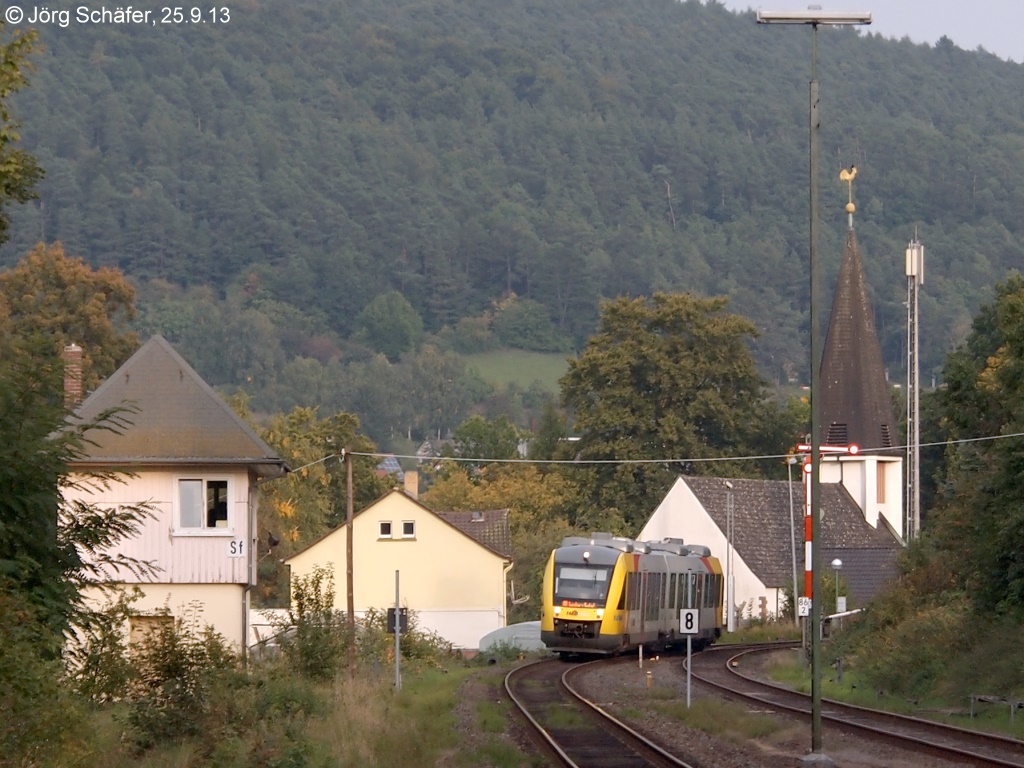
<point x="321" y="202"/>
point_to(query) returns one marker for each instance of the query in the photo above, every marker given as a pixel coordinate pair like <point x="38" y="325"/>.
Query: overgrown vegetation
<point x="182" y="697"/>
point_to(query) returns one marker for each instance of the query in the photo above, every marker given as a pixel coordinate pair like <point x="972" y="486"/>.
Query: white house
<point x="756" y="529"/>
<point x="197" y="464"/>
<point x="451" y="567"/>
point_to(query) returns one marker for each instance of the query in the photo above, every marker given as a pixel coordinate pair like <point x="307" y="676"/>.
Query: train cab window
<point x="580" y="582"/>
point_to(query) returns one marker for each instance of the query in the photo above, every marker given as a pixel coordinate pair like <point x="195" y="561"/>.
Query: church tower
<point x="856" y="406"/>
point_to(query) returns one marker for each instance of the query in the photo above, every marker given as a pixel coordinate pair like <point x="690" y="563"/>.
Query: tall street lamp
<point x="730" y="584"/>
<point x="814" y="17"/>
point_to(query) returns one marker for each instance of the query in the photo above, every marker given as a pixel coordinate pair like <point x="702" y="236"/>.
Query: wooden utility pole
<point x="347" y="457"/>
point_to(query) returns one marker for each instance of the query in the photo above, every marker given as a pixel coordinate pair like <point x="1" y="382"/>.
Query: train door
<point x="641" y="604"/>
<point x="635" y="602"/>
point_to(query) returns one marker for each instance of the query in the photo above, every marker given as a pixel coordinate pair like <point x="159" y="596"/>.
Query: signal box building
<point x="197" y="464"/>
<point x="452" y="567"/>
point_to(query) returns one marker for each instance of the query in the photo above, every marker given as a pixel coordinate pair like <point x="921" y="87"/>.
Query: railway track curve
<point x="730" y="671"/>
<point x="574" y="730"/>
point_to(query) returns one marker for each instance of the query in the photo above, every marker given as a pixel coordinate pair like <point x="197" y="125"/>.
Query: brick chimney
<point x="412" y="483"/>
<point x="72" y="375"/>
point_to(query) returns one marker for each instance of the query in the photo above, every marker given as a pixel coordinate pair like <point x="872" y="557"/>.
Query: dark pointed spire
<point x="856" y="408"/>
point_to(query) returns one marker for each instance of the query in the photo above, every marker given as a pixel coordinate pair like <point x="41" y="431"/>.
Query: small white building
<point x="452" y="567"/>
<point x="197" y="464"/>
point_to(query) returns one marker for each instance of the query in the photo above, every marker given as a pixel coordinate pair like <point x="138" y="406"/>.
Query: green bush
<point x="181" y="668"/>
<point x="96" y="657"/>
<point x="377" y="644"/>
<point x="315" y="637"/>
<point x="473" y="334"/>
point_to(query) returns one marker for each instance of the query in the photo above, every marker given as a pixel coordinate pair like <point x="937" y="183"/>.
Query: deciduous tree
<point x="63" y="299"/>
<point x="979" y="522"/>
<point x="539" y="504"/>
<point x="19" y="171"/>
<point x="312" y="500"/>
<point x="51" y="550"/>
<point x="478" y="438"/>
<point x="665" y="378"/>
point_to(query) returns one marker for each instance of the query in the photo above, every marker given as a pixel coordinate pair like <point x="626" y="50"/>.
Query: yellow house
<point x="452" y="567"/>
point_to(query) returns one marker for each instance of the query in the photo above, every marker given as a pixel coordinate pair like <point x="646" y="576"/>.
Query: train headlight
<point x="558" y="610"/>
<point x="600" y="613"/>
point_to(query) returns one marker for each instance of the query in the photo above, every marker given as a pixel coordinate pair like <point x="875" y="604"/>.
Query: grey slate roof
<point x="856" y="405"/>
<point x="763" y="538"/>
<point x="489" y="527"/>
<point x="389" y="466"/>
<point x="178" y="417"/>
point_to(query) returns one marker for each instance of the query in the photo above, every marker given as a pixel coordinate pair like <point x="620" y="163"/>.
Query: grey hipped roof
<point x="856" y="405"/>
<point x="763" y="538"/>
<point x="176" y="417"/>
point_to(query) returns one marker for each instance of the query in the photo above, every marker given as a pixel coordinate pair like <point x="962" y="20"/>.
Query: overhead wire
<point x="578" y="462"/>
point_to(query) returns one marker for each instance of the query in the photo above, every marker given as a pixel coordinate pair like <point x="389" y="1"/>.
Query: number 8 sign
<point x="689" y="622"/>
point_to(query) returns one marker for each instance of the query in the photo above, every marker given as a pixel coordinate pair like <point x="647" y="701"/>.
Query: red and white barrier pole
<point x="848" y="450"/>
<point x="808" y="575"/>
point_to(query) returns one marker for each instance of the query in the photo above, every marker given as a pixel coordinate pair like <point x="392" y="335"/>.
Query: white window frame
<point x="380" y="529"/>
<point x="412" y="533"/>
<point x="228" y="529"/>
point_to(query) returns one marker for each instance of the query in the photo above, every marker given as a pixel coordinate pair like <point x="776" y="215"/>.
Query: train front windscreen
<point x="581" y="585"/>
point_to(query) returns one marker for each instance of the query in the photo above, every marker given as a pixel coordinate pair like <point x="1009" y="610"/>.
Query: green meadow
<point x="519" y="367"/>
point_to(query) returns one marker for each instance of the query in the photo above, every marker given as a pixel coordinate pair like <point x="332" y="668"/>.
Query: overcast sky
<point x="995" y="25"/>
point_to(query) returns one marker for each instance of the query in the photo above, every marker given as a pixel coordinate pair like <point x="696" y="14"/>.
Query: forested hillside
<point x="290" y="185"/>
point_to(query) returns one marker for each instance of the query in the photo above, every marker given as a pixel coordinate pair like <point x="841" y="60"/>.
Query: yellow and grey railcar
<point x="608" y="595"/>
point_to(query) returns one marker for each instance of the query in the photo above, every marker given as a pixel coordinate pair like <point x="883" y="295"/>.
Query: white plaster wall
<point x="221" y="606"/>
<point x="680" y="515"/>
<point x="205" y="558"/>
<point x="859" y="475"/>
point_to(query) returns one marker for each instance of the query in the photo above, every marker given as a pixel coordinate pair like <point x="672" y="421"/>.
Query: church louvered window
<point x="837" y="434"/>
<point x="886" y="437"/>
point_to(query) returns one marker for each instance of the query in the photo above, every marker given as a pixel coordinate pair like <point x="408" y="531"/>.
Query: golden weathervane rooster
<point x="848" y="176"/>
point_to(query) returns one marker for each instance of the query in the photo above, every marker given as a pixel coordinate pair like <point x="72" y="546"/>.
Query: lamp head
<point x="814" y="16"/>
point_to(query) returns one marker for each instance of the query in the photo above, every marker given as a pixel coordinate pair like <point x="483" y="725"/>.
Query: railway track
<point x="578" y="733"/>
<point x="729" y="670"/>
